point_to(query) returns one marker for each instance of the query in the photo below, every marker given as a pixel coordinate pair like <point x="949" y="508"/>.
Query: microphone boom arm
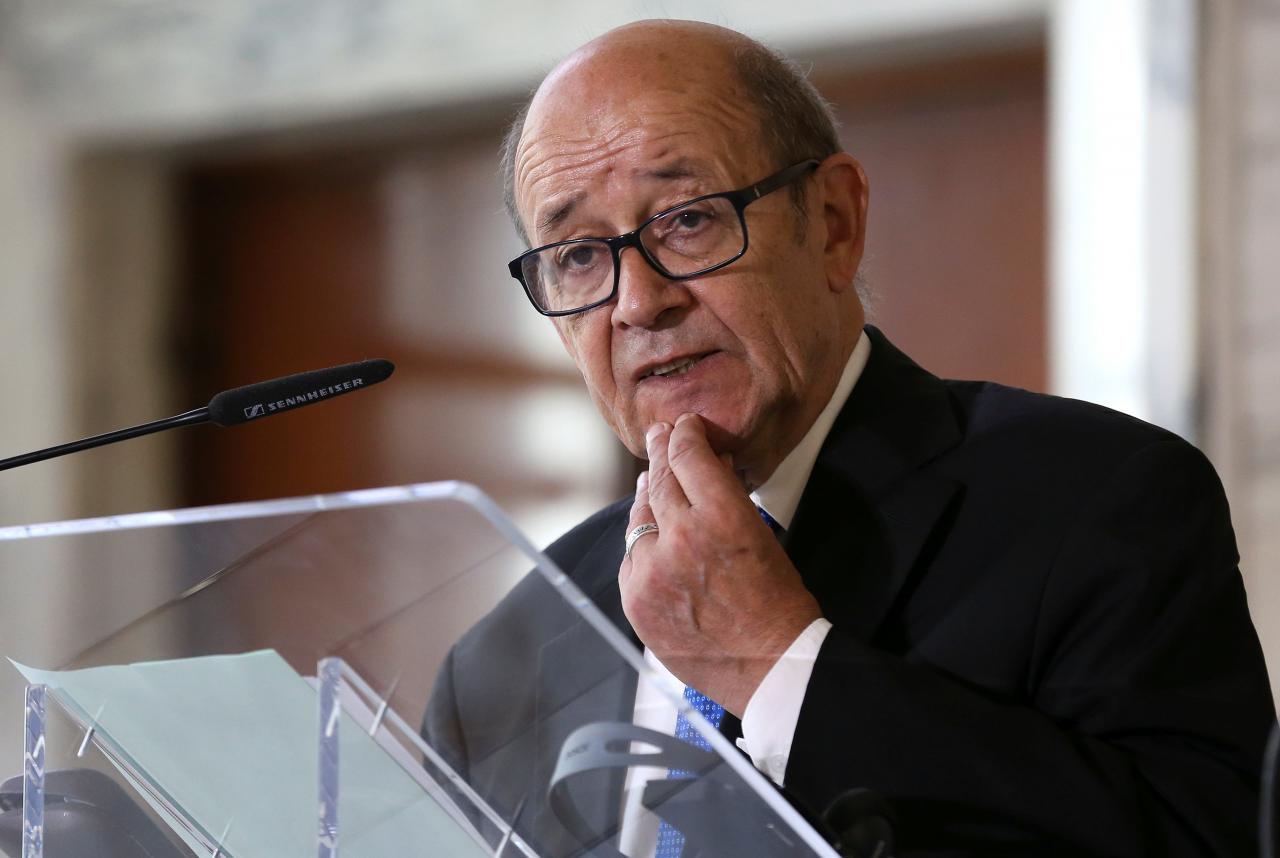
<point x="239" y="405"/>
<point x="189" y="418"/>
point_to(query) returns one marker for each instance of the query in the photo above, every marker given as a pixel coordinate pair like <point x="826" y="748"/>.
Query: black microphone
<point x="252" y="401"/>
<point x="241" y="405"/>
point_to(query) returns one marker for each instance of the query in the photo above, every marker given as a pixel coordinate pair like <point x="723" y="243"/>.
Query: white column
<point x="1122" y="307"/>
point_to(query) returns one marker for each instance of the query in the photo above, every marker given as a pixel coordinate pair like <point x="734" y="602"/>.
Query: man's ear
<point x="842" y="186"/>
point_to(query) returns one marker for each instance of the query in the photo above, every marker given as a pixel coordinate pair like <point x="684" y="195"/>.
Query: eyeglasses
<point x="688" y="240"/>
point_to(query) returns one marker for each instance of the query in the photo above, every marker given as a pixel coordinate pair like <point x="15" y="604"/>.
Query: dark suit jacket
<point x="1040" y="639"/>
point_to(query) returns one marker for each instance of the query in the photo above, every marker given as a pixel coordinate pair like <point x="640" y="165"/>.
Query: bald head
<point x="778" y="112"/>
<point x="649" y="52"/>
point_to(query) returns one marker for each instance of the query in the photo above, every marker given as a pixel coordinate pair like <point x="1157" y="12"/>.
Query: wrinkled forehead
<point x="662" y="121"/>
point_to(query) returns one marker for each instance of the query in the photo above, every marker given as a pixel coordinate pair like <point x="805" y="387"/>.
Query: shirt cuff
<point x="769" y="723"/>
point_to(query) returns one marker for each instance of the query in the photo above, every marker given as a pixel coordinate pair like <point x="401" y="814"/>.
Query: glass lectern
<point x="394" y="672"/>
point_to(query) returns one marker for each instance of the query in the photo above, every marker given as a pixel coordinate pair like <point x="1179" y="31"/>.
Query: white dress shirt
<point x="769" y="723"/>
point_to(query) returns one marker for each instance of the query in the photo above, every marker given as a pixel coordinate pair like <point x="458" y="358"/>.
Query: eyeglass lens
<point x="682" y="242"/>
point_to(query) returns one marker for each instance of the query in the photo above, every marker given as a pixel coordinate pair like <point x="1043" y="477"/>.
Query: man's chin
<point x="726" y="432"/>
<point x="723" y="435"/>
<point x="722" y="439"/>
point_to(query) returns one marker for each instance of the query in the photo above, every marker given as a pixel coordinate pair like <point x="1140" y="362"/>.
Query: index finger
<point x="703" y="475"/>
<point x="666" y="495"/>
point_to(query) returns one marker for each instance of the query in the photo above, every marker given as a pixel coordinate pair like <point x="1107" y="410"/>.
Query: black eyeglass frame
<point x="740" y="199"/>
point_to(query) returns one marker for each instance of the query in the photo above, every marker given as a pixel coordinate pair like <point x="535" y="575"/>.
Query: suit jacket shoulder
<point x="587" y="538"/>
<point x="1033" y="601"/>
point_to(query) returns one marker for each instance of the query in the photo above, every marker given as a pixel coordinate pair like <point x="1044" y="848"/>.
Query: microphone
<point x="240" y="405"/>
<point x="232" y="407"/>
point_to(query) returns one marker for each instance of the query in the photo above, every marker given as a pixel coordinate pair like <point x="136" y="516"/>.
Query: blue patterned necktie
<point x="670" y="840"/>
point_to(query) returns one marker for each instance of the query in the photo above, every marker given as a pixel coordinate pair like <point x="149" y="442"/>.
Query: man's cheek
<point x="620" y="419"/>
<point x="564" y="331"/>
<point x="584" y="343"/>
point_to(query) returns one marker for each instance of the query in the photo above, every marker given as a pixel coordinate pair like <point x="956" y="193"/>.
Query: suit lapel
<point x="870" y="508"/>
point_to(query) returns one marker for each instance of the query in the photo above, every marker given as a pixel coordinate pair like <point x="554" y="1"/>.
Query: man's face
<point x="745" y="347"/>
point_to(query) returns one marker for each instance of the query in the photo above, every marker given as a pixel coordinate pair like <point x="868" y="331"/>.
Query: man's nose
<point x="646" y="299"/>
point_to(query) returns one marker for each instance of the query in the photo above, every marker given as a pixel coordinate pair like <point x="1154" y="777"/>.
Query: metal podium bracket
<point x="88" y="733"/>
<point x="33" y="774"/>
<point x="222" y="838"/>
<point x="330" y="716"/>
<point x="383" y="702"/>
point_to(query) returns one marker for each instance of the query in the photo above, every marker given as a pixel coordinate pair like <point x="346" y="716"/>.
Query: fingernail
<point x="688" y="415"/>
<point x="642" y="482"/>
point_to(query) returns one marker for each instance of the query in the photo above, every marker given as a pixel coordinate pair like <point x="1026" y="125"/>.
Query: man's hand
<point x="712" y="593"/>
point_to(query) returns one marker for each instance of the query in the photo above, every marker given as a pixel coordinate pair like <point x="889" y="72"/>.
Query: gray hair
<point x="796" y="122"/>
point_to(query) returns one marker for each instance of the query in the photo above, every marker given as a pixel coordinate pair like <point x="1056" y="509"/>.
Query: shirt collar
<point x="780" y="494"/>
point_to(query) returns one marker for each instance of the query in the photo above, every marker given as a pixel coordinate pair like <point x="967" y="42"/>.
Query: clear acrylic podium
<point x="387" y="672"/>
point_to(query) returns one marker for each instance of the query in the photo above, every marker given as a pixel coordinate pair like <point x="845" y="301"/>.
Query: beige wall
<point x="35" y="350"/>
<point x="1241" y="286"/>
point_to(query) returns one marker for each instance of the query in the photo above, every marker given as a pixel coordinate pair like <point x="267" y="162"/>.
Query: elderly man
<point x="1017" y="617"/>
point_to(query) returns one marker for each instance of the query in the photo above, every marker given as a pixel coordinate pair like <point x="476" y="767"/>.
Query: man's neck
<point x="756" y="466"/>
<point x="779" y="493"/>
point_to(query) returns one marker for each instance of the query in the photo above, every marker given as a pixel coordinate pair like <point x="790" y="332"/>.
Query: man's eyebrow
<point x="559" y="214"/>
<point x="679" y="169"/>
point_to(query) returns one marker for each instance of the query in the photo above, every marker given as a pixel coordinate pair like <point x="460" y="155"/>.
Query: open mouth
<point x="675" y="368"/>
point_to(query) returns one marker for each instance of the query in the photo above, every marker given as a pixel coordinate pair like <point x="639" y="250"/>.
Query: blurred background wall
<point x="1075" y="196"/>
